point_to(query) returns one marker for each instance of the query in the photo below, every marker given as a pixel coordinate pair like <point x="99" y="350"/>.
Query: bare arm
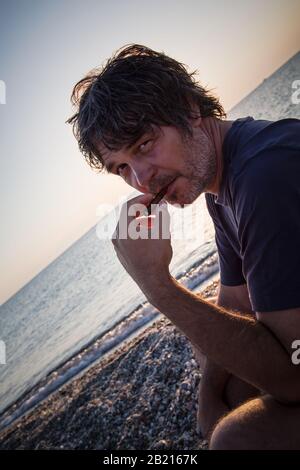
<point x="247" y="348"/>
<point x="242" y="345"/>
<point x="234" y="298"/>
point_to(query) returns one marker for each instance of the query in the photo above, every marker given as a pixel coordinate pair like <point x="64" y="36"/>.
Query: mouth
<point x="160" y="195"/>
<point x="163" y="190"/>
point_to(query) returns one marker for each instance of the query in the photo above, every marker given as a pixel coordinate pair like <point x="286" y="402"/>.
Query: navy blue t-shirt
<point x="257" y="212"/>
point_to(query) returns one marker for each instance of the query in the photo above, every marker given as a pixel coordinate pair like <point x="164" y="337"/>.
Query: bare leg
<point x="262" y="424"/>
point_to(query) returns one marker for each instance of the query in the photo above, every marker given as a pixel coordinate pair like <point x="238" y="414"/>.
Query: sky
<point x="49" y="195"/>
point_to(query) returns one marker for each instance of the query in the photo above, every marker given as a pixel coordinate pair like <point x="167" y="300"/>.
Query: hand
<point x="144" y="250"/>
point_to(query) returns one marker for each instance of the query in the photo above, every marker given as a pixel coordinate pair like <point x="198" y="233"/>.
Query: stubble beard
<point x="199" y="168"/>
<point x="200" y="164"/>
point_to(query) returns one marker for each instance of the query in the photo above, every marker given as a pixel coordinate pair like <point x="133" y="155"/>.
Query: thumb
<point x="139" y="201"/>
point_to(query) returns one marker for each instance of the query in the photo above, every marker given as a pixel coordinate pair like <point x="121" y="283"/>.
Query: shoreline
<point x="101" y="345"/>
<point x="141" y="395"/>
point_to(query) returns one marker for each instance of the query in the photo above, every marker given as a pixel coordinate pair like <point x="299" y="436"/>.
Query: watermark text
<point x="2" y="92"/>
<point x="2" y="352"/>
<point x="296" y="353"/>
<point x="296" y="94"/>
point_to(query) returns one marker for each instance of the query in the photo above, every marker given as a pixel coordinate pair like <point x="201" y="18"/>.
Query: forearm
<point x="242" y="346"/>
<point x="214" y="377"/>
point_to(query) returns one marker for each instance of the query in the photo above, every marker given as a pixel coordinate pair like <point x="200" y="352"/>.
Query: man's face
<point x="163" y="157"/>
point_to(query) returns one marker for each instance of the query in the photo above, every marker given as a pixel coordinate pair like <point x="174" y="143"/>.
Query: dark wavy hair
<point x="136" y="89"/>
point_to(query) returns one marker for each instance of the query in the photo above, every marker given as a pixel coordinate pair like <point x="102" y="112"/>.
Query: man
<point x="145" y="118"/>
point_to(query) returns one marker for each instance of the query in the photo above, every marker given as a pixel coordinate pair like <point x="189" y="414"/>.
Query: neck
<point x="216" y="130"/>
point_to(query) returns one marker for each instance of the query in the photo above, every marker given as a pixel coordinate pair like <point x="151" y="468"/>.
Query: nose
<point x="143" y="173"/>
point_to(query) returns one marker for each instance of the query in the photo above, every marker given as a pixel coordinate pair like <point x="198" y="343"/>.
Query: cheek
<point x="170" y="155"/>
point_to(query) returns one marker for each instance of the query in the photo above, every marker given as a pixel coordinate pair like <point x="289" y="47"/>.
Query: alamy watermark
<point x="296" y="353"/>
<point x="296" y="94"/>
<point x="2" y="352"/>
<point x="2" y="92"/>
<point x="131" y="221"/>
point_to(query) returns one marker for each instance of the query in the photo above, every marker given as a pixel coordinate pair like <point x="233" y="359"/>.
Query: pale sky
<point x="49" y="195"/>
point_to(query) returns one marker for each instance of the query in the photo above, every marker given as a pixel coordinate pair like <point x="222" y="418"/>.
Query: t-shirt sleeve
<point x="267" y="205"/>
<point x="230" y="263"/>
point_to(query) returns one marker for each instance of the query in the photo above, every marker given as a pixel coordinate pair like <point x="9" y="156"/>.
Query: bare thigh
<point x="262" y="423"/>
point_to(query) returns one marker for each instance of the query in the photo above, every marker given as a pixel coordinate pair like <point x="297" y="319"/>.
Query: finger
<point x="135" y="207"/>
<point x="163" y="220"/>
<point x="143" y="199"/>
<point x="155" y="226"/>
<point x="145" y="221"/>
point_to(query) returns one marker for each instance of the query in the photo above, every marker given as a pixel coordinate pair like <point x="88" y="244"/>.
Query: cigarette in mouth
<point x="147" y="216"/>
<point x="158" y="198"/>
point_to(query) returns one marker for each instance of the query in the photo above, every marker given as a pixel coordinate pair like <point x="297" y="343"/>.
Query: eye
<point x="120" y="168"/>
<point x="145" y="145"/>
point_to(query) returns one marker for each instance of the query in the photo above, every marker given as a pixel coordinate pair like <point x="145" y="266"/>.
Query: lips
<point x="163" y="190"/>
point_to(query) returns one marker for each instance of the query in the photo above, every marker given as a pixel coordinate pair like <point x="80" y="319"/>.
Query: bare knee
<point x="231" y="433"/>
<point x="224" y="436"/>
<point x="239" y="429"/>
